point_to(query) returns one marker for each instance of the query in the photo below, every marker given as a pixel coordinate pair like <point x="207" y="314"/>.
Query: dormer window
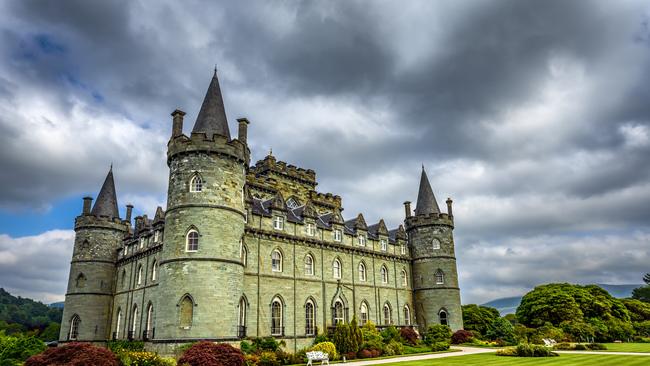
<point x="142" y="243"/>
<point x="196" y="184"/>
<point x="384" y="245"/>
<point x="338" y="235"/>
<point x="292" y="203"/>
<point x="310" y="229"/>
<point x="156" y="236"/>
<point x="403" y="249"/>
<point x="278" y="223"/>
<point x="362" y="240"/>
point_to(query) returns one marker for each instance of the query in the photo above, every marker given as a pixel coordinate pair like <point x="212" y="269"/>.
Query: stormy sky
<point x="533" y="116"/>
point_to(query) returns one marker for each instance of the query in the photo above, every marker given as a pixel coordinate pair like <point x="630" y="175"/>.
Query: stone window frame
<point x="403" y="249"/>
<point x="310" y="229"/>
<point x="134" y="319"/>
<point x="123" y="278"/>
<point x="309" y="267"/>
<point x="243" y="253"/>
<point x="192" y="230"/>
<point x="279" y="260"/>
<point x="443" y="316"/>
<point x="387" y="314"/>
<point x="362" y="240"/>
<point x="80" y="282"/>
<point x="154" y="270"/>
<point x="196" y="183"/>
<point x="180" y="303"/>
<point x="363" y="272"/>
<point x="142" y="240"/>
<point x="383" y="274"/>
<point x="310" y="317"/>
<point x="242" y="311"/>
<point x="435" y="244"/>
<point x="118" y="322"/>
<point x="156" y="236"/>
<point x="278" y="222"/>
<point x="364" y="304"/>
<point x="148" y="326"/>
<point x="384" y="245"/>
<point x="405" y="278"/>
<point x="73" y="332"/>
<point x="138" y="278"/>
<point x="337" y="270"/>
<point x="407" y="314"/>
<point x="440" y="277"/>
<point x="337" y="235"/>
<point x="338" y="312"/>
<point x="277" y="328"/>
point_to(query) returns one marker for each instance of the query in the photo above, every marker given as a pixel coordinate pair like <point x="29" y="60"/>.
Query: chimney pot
<point x="177" y="123"/>
<point x="449" y="211"/>
<point x="243" y="130"/>
<point x="87" y="204"/>
<point x="129" y="210"/>
<point x="407" y="208"/>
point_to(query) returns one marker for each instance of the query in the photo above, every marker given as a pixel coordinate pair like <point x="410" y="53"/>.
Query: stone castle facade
<point x="251" y="251"/>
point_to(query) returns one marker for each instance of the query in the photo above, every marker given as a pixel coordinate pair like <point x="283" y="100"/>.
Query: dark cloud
<point x="532" y="116"/>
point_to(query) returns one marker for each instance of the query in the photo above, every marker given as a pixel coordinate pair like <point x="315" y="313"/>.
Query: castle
<point x="251" y="251"/>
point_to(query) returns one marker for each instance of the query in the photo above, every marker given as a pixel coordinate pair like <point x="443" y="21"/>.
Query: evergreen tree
<point x="646" y="278"/>
<point x="356" y="336"/>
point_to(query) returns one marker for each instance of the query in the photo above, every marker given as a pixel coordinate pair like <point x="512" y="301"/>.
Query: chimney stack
<point x="129" y="210"/>
<point x="407" y="208"/>
<point x="449" y="212"/>
<point x="177" y="124"/>
<point x="87" y="204"/>
<point x="243" y="130"/>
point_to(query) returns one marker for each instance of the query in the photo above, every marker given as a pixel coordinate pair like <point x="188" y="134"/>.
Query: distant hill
<point x="508" y="305"/>
<point x="58" y="305"/>
<point x="19" y="313"/>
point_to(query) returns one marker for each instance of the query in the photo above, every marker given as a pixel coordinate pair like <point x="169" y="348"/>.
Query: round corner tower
<point x="436" y="294"/>
<point x="89" y="297"/>
<point x="201" y="268"/>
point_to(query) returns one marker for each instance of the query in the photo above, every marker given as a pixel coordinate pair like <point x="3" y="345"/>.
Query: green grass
<point x="490" y="359"/>
<point x="627" y="347"/>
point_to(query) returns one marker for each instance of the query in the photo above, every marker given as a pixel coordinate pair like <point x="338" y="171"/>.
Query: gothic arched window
<point x="336" y="269"/>
<point x="440" y="277"/>
<point x="118" y="323"/>
<point x="309" y="265"/>
<point x="310" y="328"/>
<point x="407" y="315"/>
<point x="337" y="314"/>
<point x="149" y="324"/>
<point x="196" y="184"/>
<point x="74" y="327"/>
<point x="442" y="315"/>
<point x="384" y="274"/>
<point x="387" y="314"/>
<point x="277" y="328"/>
<point x="154" y="270"/>
<point x="363" y="310"/>
<point x="405" y="279"/>
<point x="186" y="312"/>
<point x="81" y="280"/>
<point x="276" y="261"/>
<point x="362" y="272"/>
<point x="192" y="244"/>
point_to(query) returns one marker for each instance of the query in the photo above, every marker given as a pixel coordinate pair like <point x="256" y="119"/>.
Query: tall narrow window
<point x="338" y="312"/>
<point x="402" y="249"/>
<point x="310" y="229"/>
<point x="362" y="240"/>
<point x="384" y="274"/>
<point x="154" y="271"/>
<point x="362" y="272"/>
<point x="139" y="279"/>
<point x="134" y="323"/>
<point x="309" y="265"/>
<point x="310" y="328"/>
<point x="142" y="243"/>
<point x="196" y="184"/>
<point x="186" y="312"/>
<point x="435" y="243"/>
<point x="277" y="328"/>
<point x="363" y="310"/>
<point x="278" y="223"/>
<point x="338" y="235"/>
<point x="74" y="327"/>
<point x="336" y="269"/>
<point x="440" y="277"/>
<point x="156" y="236"/>
<point x="387" y="315"/>
<point x="244" y="255"/>
<point x="405" y="279"/>
<point x="123" y="278"/>
<point x="192" y="241"/>
<point x="276" y="261"/>
<point x="118" y="324"/>
<point x="443" y="317"/>
<point x="242" y="318"/>
<point x="149" y="324"/>
<point x="384" y="245"/>
<point x="407" y="315"/>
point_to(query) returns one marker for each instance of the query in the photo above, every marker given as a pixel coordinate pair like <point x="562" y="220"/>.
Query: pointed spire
<point x="212" y="116"/>
<point x="106" y="203"/>
<point x="426" y="200"/>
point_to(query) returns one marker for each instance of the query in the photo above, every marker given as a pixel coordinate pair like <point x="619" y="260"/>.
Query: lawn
<point x="488" y="359"/>
<point x="628" y="347"/>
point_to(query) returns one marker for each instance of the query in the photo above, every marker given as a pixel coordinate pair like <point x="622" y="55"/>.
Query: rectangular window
<point x="278" y="223"/>
<point x="403" y="249"/>
<point x="338" y="235"/>
<point x="384" y="245"/>
<point x="141" y="243"/>
<point x="156" y="236"/>
<point x="362" y="240"/>
<point x="310" y="229"/>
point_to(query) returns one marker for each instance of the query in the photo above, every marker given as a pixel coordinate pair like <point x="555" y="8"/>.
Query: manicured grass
<point x="490" y="359"/>
<point x="628" y="347"/>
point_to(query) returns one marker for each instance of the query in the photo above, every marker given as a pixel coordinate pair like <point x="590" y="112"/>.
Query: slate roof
<point x="212" y="116"/>
<point x="426" y="200"/>
<point x="106" y="204"/>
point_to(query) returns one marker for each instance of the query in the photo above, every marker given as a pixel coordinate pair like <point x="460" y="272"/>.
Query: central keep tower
<point x="202" y="274"/>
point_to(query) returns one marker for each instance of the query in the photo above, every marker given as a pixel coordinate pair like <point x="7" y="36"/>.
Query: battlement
<point x="199" y="142"/>
<point x="430" y="219"/>
<point x="88" y="220"/>
<point x="269" y="165"/>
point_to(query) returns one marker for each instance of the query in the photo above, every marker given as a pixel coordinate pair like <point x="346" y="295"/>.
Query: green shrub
<point x="596" y="346"/>
<point x="372" y="340"/>
<point x="439" y="346"/>
<point x="527" y="350"/>
<point x="393" y="348"/>
<point x="501" y="330"/>
<point x="15" y="349"/>
<point x="125" y="345"/>
<point x="564" y="346"/>
<point x="140" y="358"/>
<point x="437" y="334"/>
<point x="266" y="344"/>
<point x="342" y="338"/>
<point x="390" y="334"/>
<point x="268" y="358"/>
<point x="356" y="336"/>
<point x="320" y="338"/>
<point x="580" y="347"/>
<point x="327" y="347"/>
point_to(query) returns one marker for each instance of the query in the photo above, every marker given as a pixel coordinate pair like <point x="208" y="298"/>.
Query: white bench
<point x="318" y="356"/>
<point x="549" y="342"/>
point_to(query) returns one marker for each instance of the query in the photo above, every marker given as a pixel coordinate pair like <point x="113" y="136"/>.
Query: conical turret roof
<point x="426" y="199"/>
<point x="212" y="116"/>
<point x="106" y="204"/>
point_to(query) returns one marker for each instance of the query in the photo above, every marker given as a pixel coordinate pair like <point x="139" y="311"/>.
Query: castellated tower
<point x="201" y="266"/>
<point x="89" y="298"/>
<point x="436" y="294"/>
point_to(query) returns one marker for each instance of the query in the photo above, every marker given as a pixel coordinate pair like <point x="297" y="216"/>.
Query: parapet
<point x="430" y="219"/>
<point x="199" y="142"/>
<point x="269" y="166"/>
<point x="90" y="221"/>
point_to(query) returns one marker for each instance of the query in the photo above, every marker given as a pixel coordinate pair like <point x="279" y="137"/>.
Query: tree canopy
<point x="19" y="314"/>
<point x="479" y="318"/>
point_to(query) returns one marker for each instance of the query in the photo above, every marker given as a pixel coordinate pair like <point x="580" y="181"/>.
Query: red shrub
<point x="409" y="335"/>
<point x="350" y="355"/>
<point x="375" y="352"/>
<point x="365" y="353"/>
<point x="461" y="336"/>
<point x="212" y="354"/>
<point x="74" y="354"/>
